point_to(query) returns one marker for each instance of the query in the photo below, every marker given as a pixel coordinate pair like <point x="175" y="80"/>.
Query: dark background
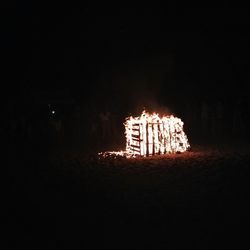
<point x="166" y="53"/>
<point x="78" y="61"/>
<point x="122" y="59"/>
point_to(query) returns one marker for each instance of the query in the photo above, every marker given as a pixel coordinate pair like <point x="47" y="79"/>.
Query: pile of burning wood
<point x="152" y="134"/>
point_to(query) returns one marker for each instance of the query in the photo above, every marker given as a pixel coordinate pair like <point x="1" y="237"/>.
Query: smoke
<point x="138" y="84"/>
<point x="150" y="104"/>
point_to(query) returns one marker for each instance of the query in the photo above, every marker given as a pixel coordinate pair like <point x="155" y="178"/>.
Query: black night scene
<point x="71" y="75"/>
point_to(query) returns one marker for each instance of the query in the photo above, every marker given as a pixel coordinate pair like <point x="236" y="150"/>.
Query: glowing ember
<point x="152" y="134"/>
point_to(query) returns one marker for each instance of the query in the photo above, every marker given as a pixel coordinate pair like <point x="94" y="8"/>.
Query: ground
<point x="200" y="198"/>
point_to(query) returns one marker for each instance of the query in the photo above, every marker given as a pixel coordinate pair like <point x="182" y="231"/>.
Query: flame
<point x="152" y="134"/>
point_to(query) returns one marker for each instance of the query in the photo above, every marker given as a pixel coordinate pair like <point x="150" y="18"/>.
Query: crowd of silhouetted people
<point x="217" y="121"/>
<point x="32" y="130"/>
<point x="100" y="127"/>
<point x="45" y="127"/>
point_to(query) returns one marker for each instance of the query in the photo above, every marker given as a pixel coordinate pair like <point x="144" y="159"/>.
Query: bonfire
<point x="152" y="134"/>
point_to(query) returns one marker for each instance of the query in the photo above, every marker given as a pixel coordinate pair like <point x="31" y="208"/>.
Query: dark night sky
<point x="102" y="52"/>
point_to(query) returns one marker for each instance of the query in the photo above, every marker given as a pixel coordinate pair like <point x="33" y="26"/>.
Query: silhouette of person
<point x="219" y="118"/>
<point x="237" y="118"/>
<point x="105" y="124"/>
<point x="204" y="118"/>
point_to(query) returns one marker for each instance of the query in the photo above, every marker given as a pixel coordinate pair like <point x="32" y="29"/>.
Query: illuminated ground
<point x="196" y="197"/>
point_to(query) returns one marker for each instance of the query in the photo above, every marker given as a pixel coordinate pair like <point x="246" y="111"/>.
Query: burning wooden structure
<point x="150" y="134"/>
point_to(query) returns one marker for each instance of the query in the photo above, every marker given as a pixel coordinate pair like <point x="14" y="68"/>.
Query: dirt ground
<point x="197" y="199"/>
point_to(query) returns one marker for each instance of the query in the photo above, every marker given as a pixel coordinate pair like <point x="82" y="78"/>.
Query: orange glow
<point x="152" y="134"/>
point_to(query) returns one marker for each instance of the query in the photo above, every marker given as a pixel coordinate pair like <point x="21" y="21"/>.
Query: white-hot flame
<point x="152" y="134"/>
